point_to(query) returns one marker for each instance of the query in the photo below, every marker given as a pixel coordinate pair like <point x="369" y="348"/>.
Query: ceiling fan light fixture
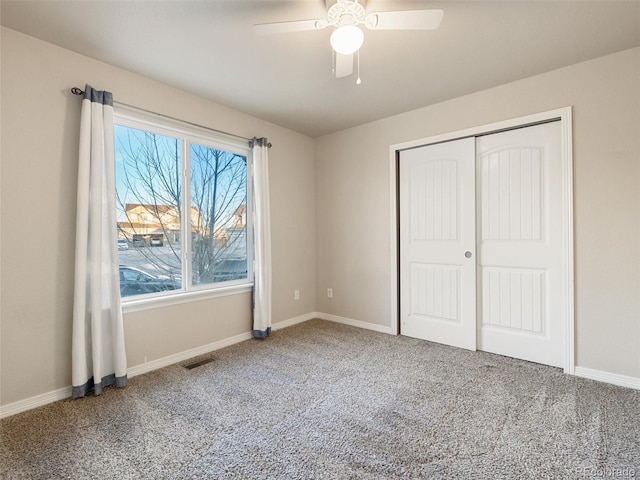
<point x="347" y="39"/>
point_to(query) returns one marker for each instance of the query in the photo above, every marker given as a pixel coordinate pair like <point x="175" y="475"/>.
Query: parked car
<point x="156" y="242"/>
<point x="139" y="241"/>
<point x="229" y="269"/>
<point x="136" y="282"/>
<point x="122" y="244"/>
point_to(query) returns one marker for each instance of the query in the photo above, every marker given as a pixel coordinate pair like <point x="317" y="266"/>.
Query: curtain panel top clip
<point x="259" y="142"/>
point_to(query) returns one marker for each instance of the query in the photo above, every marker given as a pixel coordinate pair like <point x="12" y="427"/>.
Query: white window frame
<point x="190" y="134"/>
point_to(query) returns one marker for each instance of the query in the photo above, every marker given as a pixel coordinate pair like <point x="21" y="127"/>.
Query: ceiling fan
<point x="347" y="17"/>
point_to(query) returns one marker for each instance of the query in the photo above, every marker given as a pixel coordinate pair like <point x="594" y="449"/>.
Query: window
<point x="182" y="201"/>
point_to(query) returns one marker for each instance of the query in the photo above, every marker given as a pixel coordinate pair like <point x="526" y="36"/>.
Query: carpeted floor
<point x="325" y="401"/>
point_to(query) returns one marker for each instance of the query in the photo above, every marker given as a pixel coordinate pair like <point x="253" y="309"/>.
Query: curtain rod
<point x="79" y="91"/>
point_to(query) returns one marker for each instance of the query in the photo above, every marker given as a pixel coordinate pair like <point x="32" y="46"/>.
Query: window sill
<point x="139" y="305"/>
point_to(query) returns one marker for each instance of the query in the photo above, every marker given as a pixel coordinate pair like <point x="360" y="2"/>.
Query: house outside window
<point x="182" y="199"/>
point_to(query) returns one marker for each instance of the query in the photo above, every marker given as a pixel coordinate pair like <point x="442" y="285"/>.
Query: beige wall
<point x="353" y="185"/>
<point x="40" y="123"/>
<point x="330" y="214"/>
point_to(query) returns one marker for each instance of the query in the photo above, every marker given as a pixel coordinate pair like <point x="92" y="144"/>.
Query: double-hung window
<point x="183" y="208"/>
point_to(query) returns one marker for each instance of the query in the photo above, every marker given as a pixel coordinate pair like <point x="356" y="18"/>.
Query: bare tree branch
<point x="150" y="180"/>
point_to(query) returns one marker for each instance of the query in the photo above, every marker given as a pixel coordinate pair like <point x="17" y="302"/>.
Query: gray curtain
<point x="98" y="353"/>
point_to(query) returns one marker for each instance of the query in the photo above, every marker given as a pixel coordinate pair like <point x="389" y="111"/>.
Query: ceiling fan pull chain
<point x="358" y="81"/>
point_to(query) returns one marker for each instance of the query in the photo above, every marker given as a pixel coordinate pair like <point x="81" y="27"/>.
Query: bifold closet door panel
<point x="438" y="242"/>
<point x="521" y="296"/>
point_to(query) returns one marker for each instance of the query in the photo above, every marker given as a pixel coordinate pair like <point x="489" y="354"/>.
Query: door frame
<point x="564" y="116"/>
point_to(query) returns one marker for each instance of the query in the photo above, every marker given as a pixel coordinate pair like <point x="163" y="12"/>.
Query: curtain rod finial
<point x="77" y="91"/>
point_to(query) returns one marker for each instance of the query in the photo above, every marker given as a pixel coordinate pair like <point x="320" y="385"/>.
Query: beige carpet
<point x="326" y="401"/>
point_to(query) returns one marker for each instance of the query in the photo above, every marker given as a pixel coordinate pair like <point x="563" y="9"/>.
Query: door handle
<point x="467" y="254"/>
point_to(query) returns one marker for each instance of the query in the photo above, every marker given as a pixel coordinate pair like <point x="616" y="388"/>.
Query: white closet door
<point x="437" y="229"/>
<point x="521" y="300"/>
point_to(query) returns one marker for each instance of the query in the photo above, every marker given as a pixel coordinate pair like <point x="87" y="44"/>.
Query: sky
<point x="148" y="170"/>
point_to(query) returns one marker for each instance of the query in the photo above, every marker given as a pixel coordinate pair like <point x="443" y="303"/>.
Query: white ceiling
<point x="209" y="48"/>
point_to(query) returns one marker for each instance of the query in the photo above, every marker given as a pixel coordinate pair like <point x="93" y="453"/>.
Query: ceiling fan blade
<point x="405" y="20"/>
<point x="344" y="65"/>
<point x="287" y="27"/>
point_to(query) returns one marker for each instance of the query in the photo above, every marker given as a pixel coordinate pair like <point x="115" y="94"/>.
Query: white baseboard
<point x="613" y="378"/>
<point x="65" y="392"/>
<point x="211" y="347"/>
<point x="33" y="402"/>
<point x="186" y="355"/>
<point x="355" y="323"/>
<point x="294" y="321"/>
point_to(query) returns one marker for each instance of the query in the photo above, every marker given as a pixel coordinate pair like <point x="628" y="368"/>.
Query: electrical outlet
<point x="330" y="292"/>
<point x="296" y="294"/>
